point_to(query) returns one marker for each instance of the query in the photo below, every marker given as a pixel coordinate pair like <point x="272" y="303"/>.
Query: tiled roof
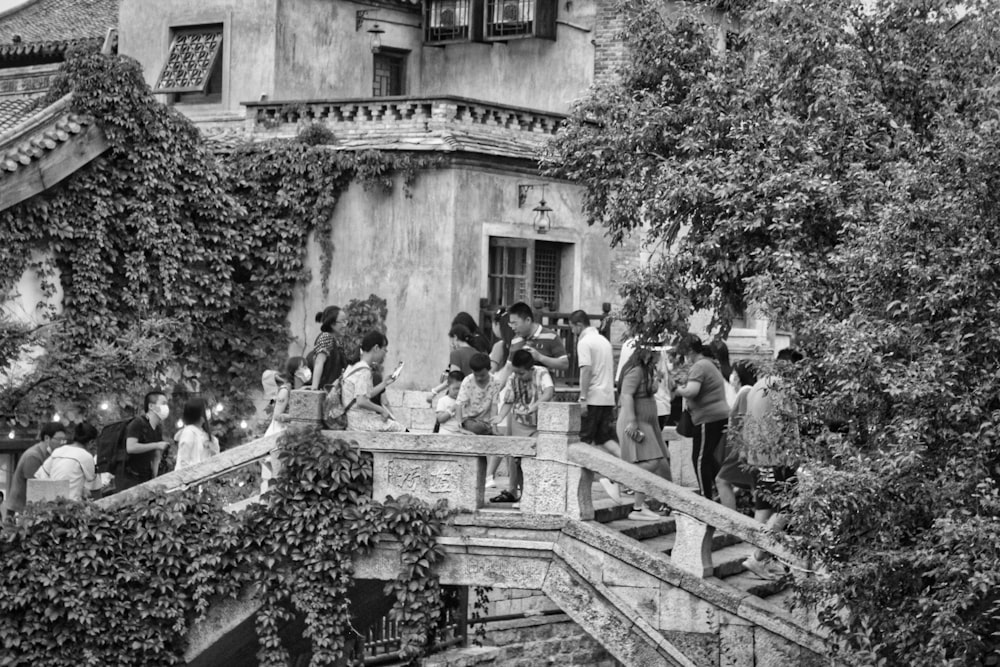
<point x="29" y="50"/>
<point x="13" y="111"/>
<point x="40" y="132"/>
<point x="58" y="20"/>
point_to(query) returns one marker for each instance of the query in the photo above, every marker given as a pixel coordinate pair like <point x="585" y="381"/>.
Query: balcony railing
<point x="414" y="123"/>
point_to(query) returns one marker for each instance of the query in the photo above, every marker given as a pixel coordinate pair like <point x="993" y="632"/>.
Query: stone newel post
<point x="551" y="484"/>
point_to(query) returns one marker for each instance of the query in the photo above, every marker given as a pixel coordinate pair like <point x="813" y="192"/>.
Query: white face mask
<point x="304" y="374"/>
<point x="162" y="411"/>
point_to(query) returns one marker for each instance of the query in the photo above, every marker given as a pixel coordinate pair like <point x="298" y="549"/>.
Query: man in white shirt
<point x="74" y="464"/>
<point x="596" y="359"/>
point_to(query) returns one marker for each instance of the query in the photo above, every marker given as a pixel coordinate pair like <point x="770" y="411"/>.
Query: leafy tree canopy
<point x="836" y="168"/>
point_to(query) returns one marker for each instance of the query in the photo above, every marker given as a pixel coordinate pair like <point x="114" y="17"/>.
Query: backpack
<point x="111" y="446"/>
<point x="334" y="410"/>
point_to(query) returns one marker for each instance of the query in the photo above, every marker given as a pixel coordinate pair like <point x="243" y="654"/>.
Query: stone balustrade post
<point x="551" y="484"/>
<point x="693" y="545"/>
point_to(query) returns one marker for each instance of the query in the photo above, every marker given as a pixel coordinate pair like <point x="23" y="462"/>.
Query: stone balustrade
<point x="409" y="120"/>
<point x="558" y="477"/>
<point x="643" y="608"/>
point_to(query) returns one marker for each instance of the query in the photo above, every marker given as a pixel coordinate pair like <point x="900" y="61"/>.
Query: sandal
<point x="504" y="497"/>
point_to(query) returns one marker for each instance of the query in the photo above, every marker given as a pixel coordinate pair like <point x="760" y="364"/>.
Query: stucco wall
<point x="427" y="257"/>
<point x="310" y="49"/>
<point x="248" y="52"/>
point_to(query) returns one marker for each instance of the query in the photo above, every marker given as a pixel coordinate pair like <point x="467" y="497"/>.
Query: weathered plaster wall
<point x="427" y="256"/>
<point x="248" y="52"/>
<point x="311" y="49"/>
<point x="321" y="55"/>
<point x="533" y="73"/>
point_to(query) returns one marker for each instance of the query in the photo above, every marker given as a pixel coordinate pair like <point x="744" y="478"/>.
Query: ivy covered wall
<point x="176" y="264"/>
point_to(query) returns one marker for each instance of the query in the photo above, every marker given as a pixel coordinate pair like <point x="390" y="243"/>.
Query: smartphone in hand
<point x="395" y="373"/>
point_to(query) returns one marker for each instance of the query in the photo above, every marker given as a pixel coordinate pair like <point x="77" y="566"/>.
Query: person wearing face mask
<point x="194" y="442"/>
<point x="144" y="442"/>
<point x="295" y="376"/>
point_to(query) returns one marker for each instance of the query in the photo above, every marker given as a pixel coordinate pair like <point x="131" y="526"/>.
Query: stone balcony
<point x="444" y="123"/>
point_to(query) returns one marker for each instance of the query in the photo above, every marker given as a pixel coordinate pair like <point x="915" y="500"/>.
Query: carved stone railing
<point x="416" y="122"/>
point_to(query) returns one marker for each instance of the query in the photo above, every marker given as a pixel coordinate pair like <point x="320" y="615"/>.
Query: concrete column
<point x="305" y="408"/>
<point x="551" y="484"/>
<point x="693" y="546"/>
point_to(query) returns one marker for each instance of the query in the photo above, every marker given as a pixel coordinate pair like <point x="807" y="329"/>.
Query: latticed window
<point x="194" y="64"/>
<point x="524" y="270"/>
<point x="546" y="274"/>
<point x="389" y="69"/>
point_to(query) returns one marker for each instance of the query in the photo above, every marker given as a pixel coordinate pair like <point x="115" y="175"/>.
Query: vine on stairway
<point x="90" y="586"/>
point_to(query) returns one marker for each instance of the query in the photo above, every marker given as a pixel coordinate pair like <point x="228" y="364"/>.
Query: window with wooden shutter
<point x="194" y="63"/>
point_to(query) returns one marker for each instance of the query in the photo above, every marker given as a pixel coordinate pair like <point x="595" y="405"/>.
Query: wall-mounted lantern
<point x="376" y="33"/>
<point x="543" y="216"/>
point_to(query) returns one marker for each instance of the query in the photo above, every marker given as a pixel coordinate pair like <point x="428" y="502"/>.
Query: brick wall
<point x="609" y="50"/>
<point x="530" y="642"/>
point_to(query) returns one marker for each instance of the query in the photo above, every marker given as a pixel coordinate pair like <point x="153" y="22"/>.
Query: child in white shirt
<point x="447" y="406"/>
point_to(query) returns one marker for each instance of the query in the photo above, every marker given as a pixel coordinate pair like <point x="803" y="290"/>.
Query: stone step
<point x="664" y="542"/>
<point x="728" y="560"/>
<point x="643" y="530"/>
<point x="754" y="585"/>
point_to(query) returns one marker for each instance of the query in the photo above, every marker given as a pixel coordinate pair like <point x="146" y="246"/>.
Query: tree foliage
<point x="93" y="586"/>
<point x="177" y="264"/>
<point x="836" y="168"/>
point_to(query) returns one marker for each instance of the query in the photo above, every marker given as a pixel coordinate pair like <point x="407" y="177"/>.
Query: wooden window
<point x="509" y="19"/>
<point x="390" y="71"/>
<point x="194" y="65"/>
<point x="524" y="270"/>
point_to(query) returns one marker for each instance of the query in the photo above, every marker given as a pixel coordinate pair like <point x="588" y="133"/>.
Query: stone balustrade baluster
<point x="551" y="484"/>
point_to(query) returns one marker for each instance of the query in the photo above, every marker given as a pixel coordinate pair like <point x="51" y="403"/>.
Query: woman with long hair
<point x="639" y="432"/>
<point x="705" y="394"/>
<point x="194" y="441"/>
<point x="329" y="359"/>
<point x="478" y="339"/>
<point x="502" y="336"/>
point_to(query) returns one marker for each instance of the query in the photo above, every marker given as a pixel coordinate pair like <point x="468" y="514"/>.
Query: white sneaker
<point x="516" y="506"/>
<point x="644" y="514"/>
<point x="611" y="489"/>
<point x="491" y="483"/>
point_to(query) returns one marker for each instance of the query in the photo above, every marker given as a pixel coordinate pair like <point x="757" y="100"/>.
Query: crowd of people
<point x="492" y="385"/>
<point x="69" y="452"/>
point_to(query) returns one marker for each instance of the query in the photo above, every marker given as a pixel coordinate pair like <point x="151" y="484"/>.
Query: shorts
<point x="598" y="425"/>
<point x="768" y="481"/>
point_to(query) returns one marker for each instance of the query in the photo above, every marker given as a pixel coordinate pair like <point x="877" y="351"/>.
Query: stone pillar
<point x="693" y="545"/>
<point x="551" y="484"/>
<point x="305" y="408"/>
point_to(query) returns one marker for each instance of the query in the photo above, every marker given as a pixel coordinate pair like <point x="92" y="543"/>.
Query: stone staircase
<point x="728" y="551"/>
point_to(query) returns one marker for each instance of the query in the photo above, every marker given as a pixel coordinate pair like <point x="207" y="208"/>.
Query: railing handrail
<point x="260" y="448"/>
<point x="178" y="480"/>
<point x="683" y="500"/>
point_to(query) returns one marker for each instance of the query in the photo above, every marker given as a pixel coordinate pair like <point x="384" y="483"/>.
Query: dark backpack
<point x="111" y="446"/>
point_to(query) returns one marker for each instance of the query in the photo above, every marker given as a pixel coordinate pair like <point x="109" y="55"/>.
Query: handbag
<point x="685" y="425"/>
